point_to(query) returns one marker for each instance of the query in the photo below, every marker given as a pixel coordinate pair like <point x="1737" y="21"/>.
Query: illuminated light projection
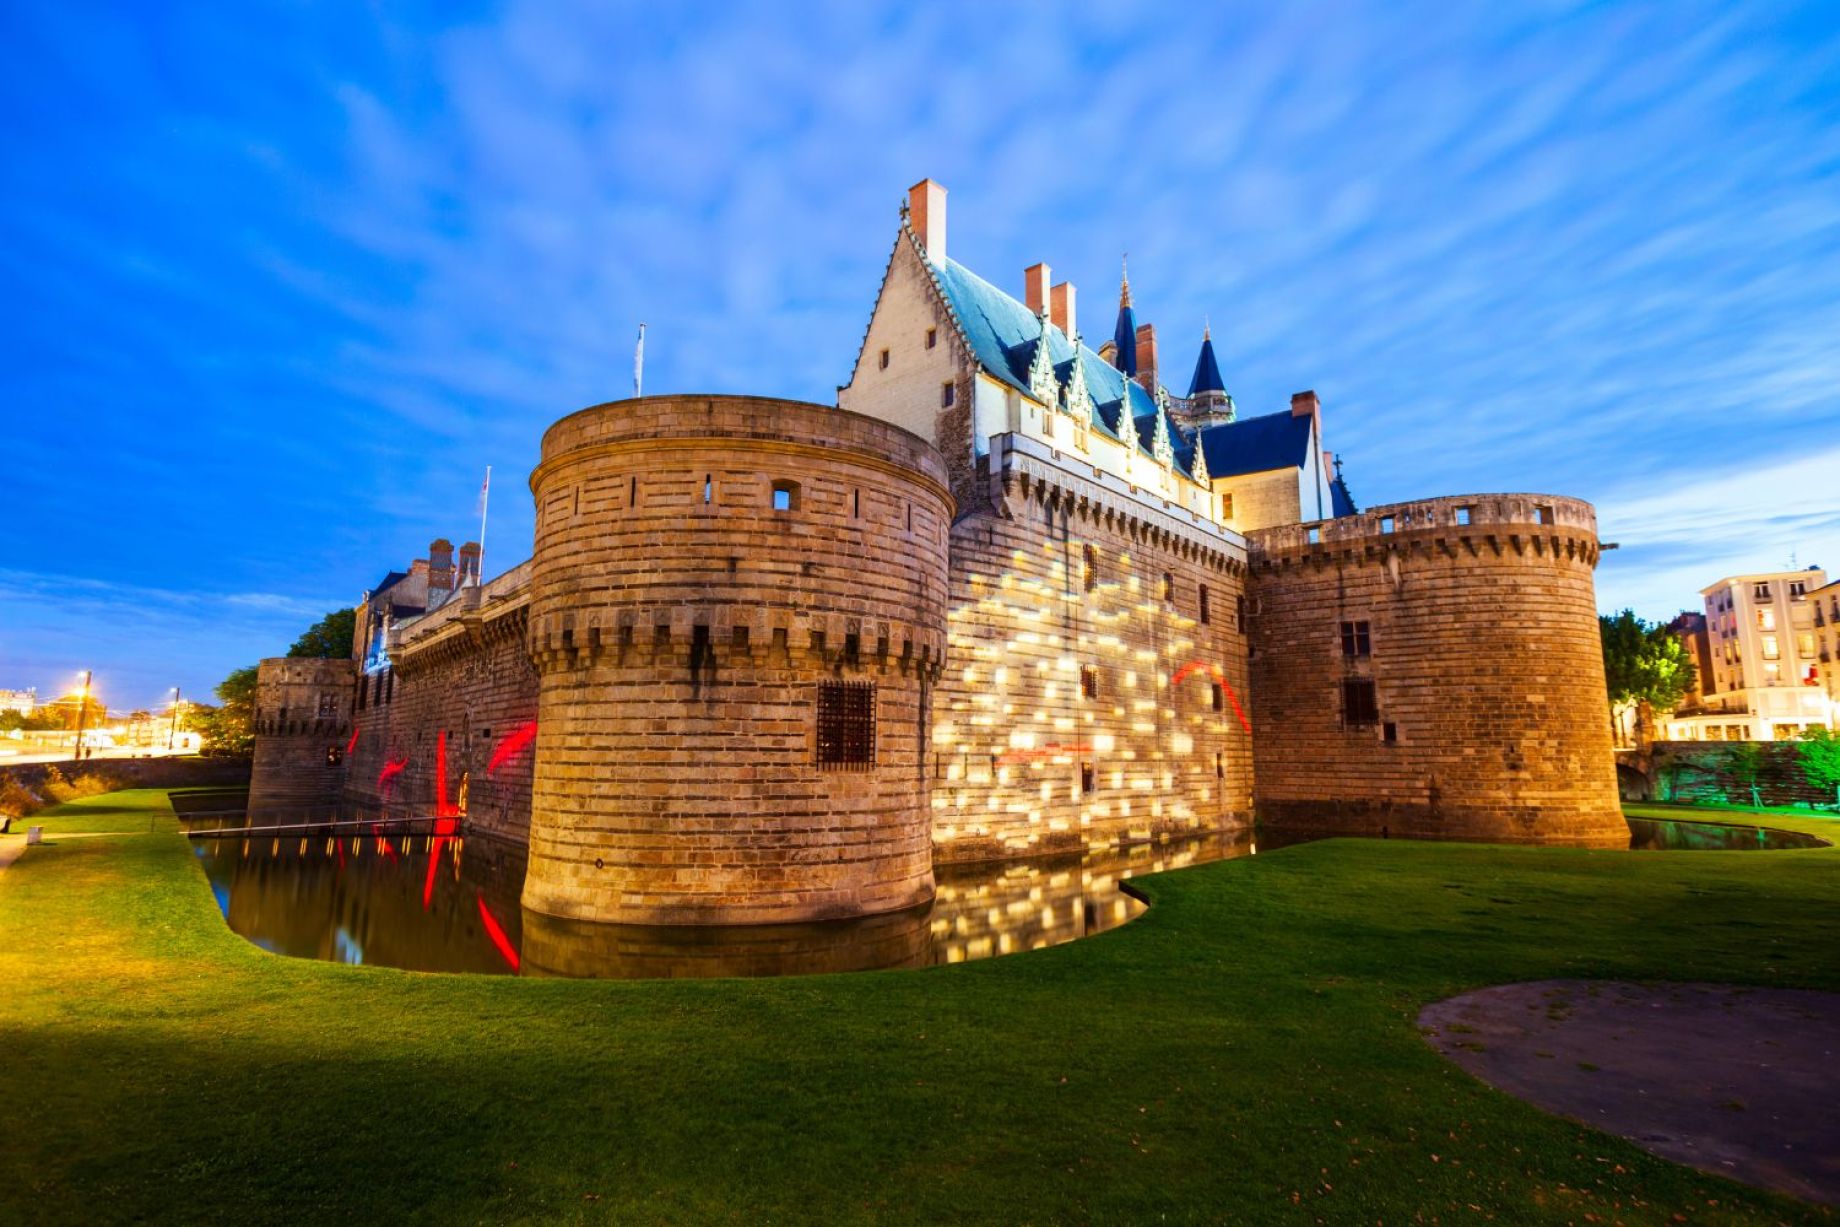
<point x="353" y="743"/>
<point x="496" y="932"/>
<point x="511" y="745"/>
<point x="1213" y="671"/>
<point x="388" y="775"/>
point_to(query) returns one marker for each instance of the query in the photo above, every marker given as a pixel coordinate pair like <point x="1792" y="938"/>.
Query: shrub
<point x="88" y="784"/>
<point x="16" y="800"/>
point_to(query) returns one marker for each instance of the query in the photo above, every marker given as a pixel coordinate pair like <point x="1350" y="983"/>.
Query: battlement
<point x="1543" y="523"/>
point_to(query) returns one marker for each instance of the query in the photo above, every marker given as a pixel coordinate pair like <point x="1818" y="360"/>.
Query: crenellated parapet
<point x="302" y="720"/>
<point x="1498" y="525"/>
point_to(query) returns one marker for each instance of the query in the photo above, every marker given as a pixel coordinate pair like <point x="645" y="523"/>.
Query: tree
<point x="330" y="637"/>
<point x="229" y="728"/>
<point x="1644" y="662"/>
<point x="1744" y="763"/>
<point x="1819" y="755"/>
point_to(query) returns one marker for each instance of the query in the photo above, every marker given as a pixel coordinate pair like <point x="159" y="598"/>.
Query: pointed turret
<point x="1207" y="370"/>
<point x="1078" y="398"/>
<point x="1042" y="384"/>
<point x="1124" y="336"/>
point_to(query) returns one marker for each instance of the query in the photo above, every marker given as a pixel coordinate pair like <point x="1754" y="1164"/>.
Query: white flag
<point x="639" y="365"/>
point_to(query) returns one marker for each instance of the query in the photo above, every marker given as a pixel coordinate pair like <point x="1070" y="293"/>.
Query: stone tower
<point x="302" y="721"/>
<point x="737" y="613"/>
<point x="1433" y="670"/>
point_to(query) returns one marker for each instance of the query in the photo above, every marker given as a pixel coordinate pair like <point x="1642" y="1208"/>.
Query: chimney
<point x="1060" y="307"/>
<point x="1307" y="404"/>
<point x="1035" y="287"/>
<point x="1146" y="356"/>
<point x="469" y="562"/>
<point x="926" y="213"/>
<point x="440" y="563"/>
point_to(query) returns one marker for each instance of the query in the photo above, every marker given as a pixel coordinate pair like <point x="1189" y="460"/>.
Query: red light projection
<point x="353" y="743"/>
<point x="511" y="745"/>
<point x="390" y="771"/>
<point x="443" y="808"/>
<point x="1016" y="756"/>
<point x="496" y="932"/>
<point x="1220" y="679"/>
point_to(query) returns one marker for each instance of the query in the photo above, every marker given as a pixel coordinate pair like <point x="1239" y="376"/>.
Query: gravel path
<point x="1730" y="1079"/>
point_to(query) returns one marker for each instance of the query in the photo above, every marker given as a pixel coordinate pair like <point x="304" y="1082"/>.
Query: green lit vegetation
<point x="1246" y="1050"/>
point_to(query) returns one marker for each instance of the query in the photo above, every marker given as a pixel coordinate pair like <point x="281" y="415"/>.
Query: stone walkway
<point x="10" y="848"/>
<point x="1740" y="1081"/>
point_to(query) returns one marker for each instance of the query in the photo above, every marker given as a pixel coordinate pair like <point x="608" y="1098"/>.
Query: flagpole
<point x="485" y="497"/>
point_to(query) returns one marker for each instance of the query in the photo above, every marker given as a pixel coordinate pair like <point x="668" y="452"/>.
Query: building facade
<point x="1765" y="682"/>
<point x="1008" y="597"/>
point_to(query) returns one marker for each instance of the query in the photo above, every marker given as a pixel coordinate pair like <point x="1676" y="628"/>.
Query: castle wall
<point x="302" y="720"/>
<point x="1026" y="760"/>
<point x="1486" y="668"/>
<point x="452" y="731"/>
<point x="683" y="630"/>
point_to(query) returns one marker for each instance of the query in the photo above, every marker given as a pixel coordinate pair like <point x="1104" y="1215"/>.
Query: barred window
<point x="846" y="724"/>
<point x="1360" y="705"/>
<point x="328" y="707"/>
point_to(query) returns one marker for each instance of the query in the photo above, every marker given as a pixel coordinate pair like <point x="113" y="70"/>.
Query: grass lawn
<point x="1246" y="1050"/>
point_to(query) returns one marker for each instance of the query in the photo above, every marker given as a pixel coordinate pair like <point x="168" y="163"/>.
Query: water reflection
<point x="433" y="903"/>
<point x="1668" y="835"/>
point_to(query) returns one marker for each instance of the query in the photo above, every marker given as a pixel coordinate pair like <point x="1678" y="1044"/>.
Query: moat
<point x="427" y="902"/>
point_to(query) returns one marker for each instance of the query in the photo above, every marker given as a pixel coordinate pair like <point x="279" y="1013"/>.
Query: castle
<point x="772" y="661"/>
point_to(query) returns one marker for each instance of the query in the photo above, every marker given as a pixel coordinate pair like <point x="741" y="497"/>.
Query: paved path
<point x="1729" y="1079"/>
<point x="10" y="848"/>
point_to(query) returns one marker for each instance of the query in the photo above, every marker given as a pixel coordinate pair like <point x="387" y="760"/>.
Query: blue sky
<point x="282" y="281"/>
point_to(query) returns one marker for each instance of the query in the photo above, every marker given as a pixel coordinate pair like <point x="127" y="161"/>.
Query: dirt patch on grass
<point x="1730" y="1079"/>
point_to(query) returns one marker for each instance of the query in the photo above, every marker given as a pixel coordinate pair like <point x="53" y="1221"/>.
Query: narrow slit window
<point x="709" y="489"/>
<point x="1218" y="696"/>
<point x="1203" y="592"/>
<point x="884" y="359"/>
<point x="932" y="337"/>
<point x="1239" y="613"/>
<point x="948" y="395"/>
<point x="1089" y="576"/>
<point x="1089" y="681"/>
<point x="1169" y="587"/>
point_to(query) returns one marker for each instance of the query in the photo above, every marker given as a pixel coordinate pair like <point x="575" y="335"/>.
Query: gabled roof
<point x="1257" y="445"/>
<point x="1003" y="334"/>
<point x="1341" y="503"/>
<point x="1207" y="370"/>
<point x="388" y="582"/>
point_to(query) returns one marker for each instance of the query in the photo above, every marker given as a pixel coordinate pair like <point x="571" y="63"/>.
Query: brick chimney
<point x="469" y="563"/>
<point x="1061" y="307"/>
<point x="440" y="563"/>
<point x="1035" y="287"/>
<point x="1146" y="356"/>
<point x="926" y="213"/>
<point x="1307" y="404"/>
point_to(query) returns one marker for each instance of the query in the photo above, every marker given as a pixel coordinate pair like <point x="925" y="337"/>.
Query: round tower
<point x="1434" y="670"/>
<point x="737" y="612"/>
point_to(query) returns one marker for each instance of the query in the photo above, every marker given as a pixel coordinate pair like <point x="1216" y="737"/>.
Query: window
<point x="856" y="503"/>
<point x="335" y="755"/>
<point x="1360" y="705"/>
<point x="948" y="395"/>
<point x="1169" y="587"/>
<point x="1313" y="535"/>
<point x="1239" y="613"/>
<point x="328" y="707"/>
<point x="1088" y="779"/>
<point x="1089" y="681"/>
<point x="1389" y="733"/>
<point x="709" y="488"/>
<point x="1463" y="514"/>
<point x="1766" y="619"/>
<point x="1804" y="644"/>
<point x="884" y="359"/>
<point x="846" y="724"/>
<point x="1226" y="506"/>
<point x="785" y="496"/>
<point x="1218" y="697"/>
<point x="1760" y="592"/>
<point x="1798" y="589"/>
<point x="1090" y="574"/>
<point x="1543" y="514"/>
<point x="932" y="337"/>
<point x="1220" y="767"/>
<point x="1355" y="641"/>
<point x="1386" y="524"/>
<point x="1203" y="593"/>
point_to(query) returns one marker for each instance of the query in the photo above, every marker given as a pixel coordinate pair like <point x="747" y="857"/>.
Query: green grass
<point x="1246" y="1050"/>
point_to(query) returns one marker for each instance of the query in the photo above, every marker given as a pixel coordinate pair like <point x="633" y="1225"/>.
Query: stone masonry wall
<point x="1485" y="661"/>
<point x="453" y="731"/>
<point x="682" y="626"/>
<point x="1086" y="708"/>
<point x="302" y="722"/>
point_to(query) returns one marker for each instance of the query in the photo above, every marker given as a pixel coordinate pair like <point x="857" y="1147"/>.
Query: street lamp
<point x="83" y="711"/>
<point x="173" y="731"/>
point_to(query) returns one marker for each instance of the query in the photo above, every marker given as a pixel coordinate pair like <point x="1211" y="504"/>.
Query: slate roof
<point x="1207" y="370"/>
<point x="1003" y="334"/>
<point x="389" y="581"/>
<point x="1341" y="503"/>
<point x="1257" y="445"/>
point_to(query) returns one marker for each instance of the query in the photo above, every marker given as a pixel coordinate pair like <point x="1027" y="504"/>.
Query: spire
<point x="1042" y="384"/>
<point x="1198" y="466"/>
<point x="1079" y="397"/>
<point x="1124" y="336"/>
<point x="1207" y="370"/>
<point x="1162" y="446"/>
